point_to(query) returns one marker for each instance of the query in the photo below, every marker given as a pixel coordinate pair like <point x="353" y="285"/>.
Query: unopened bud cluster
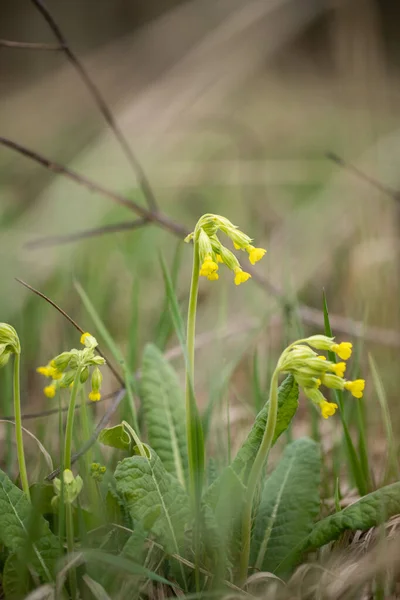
<point x="97" y="471"/>
<point x="212" y="252"/>
<point x="9" y="343"/>
<point x="311" y="371"/>
<point x="62" y="369"/>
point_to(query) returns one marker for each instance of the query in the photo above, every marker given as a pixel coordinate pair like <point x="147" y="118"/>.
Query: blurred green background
<point x="231" y="107"/>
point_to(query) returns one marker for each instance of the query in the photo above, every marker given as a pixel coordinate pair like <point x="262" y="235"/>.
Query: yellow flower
<point x="356" y="387"/>
<point x="318" y="382"/>
<point x="213" y="276"/>
<point x="236" y="246"/>
<point x="94" y="396"/>
<point x="83" y="337"/>
<point x="338" y="368"/>
<point x="343" y="350"/>
<point x="255" y="254"/>
<point x="46" y="371"/>
<point x="208" y="266"/>
<point x="241" y="276"/>
<point x="50" y="391"/>
<point x="321" y="357"/>
<point x="327" y="408"/>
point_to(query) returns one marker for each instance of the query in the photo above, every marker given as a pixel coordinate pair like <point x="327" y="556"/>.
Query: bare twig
<point x="56" y="240"/>
<point x="151" y="216"/>
<point x="74" y="323"/>
<point x="100" y="103"/>
<point x="105" y="419"/>
<point x="385" y="189"/>
<point x="30" y="46"/>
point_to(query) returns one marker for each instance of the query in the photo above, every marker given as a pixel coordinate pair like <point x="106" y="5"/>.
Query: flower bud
<point x="84" y="375"/>
<point x="9" y="338"/>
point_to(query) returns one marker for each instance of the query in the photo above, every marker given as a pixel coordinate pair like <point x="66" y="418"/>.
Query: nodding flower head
<point x="212" y="252"/>
<point x="9" y="343"/>
<point x="311" y="370"/>
<point x="63" y="368"/>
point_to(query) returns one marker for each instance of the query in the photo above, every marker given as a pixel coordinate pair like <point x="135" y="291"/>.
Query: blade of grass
<point x="165" y="325"/>
<point x="392" y="466"/>
<point x="355" y="467"/>
<point x="115" y="351"/>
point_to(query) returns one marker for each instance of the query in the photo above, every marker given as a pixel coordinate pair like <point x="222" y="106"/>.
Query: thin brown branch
<point x="105" y="419"/>
<point x="385" y="189"/>
<point x="102" y="105"/>
<point x="30" y="46"/>
<point x="151" y="216"/>
<point x="57" y="240"/>
<point x="74" y="323"/>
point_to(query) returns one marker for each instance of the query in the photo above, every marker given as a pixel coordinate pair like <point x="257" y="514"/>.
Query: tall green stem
<point x="70" y="421"/>
<point x="255" y="474"/>
<point x="193" y="424"/>
<point x="190" y="341"/>
<point x="70" y="547"/>
<point x="18" y="427"/>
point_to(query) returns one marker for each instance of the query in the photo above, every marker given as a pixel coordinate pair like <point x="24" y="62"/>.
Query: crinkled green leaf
<point x="289" y="505"/>
<point x="116" y="437"/>
<point x="154" y="498"/>
<point x="164" y="412"/>
<point x="367" y="512"/>
<point x="23" y="533"/>
<point x="288" y="394"/>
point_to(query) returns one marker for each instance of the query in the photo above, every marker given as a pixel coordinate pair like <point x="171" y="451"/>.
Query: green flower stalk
<point x="69" y="489"/>
<point x="10" y="344"/>
<point x="208" y="253"/>
<point x="70" y="370"/>
<point x="310" y="371"/>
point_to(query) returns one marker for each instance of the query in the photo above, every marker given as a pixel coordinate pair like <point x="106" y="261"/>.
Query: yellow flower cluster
<point x="62" y="369"/>
<point x="212" y="253"/>
<point x="312" y="370"/>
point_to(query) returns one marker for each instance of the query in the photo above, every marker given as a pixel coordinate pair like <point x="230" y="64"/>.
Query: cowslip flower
<point x="311" y="371"/>
<point x="212" y="252"/>
<point x="63" y="368"/>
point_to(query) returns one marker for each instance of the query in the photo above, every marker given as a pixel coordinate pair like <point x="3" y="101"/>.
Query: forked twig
<point x="74" y="323"/>
<point x="100" y="103"/>
<point x="151" y="216"/>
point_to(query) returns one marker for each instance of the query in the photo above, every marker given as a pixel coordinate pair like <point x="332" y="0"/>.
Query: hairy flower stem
<point x="70" y="546"/>
<point x="255" y="475"/>
<point x="193" y="425"/>
<point x="18" y="427"/>
<point x="70" y="421"/>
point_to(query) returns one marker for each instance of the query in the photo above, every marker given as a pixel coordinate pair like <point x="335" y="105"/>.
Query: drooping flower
<point x="311" y="371"/>
<point x="212" y="252"/>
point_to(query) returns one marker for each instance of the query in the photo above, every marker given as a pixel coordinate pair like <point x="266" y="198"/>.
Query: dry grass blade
<point x="30" y="46"/>
<point x="42" y="449"/>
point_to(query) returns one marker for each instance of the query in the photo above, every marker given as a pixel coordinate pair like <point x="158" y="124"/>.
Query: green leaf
<point x="116" y="437"/>
<point x="15" y="579"/>
<point x="24" y="532"/>
<point x="164" y="412"/>
<point x="154" y="498"/>
<point x="288" y="508"/>
<point x="287" y="405"/>
<point x="369" y="511"/>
